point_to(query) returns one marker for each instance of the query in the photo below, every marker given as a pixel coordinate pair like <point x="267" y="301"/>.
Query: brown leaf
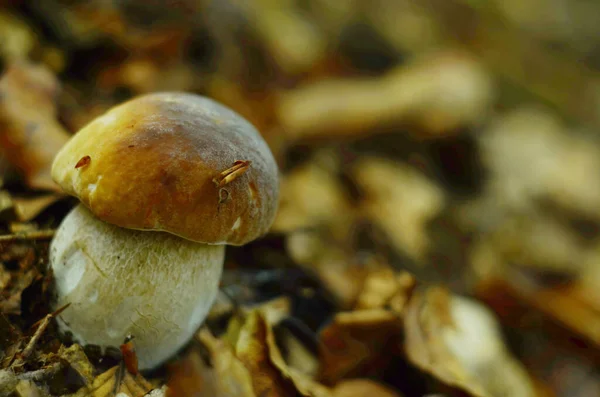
<point x="77" y="359"/>
<point x="190" y="376"/>
<point x="362" y="388"/>
<point x="248" y="362"/>
<point x="27" y="208"/>
<point x="252" y="350"/>
<point x="304" y="384"/>
<point x="233" y="378"/>
<point x="438" y="92"/>
<point x="105" y="384"/>
<point x="384" y="288"/>
<point x="357" y="341"/>
<point x="400" y="200"/>
<point x="458" y="341"/>
<point x="11" y="294"/>
<point x="27" y="388"/>
<point x="30" y="135"/>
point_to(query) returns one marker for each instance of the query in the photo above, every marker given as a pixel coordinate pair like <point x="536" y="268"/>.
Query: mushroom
<point x="165" y="180"/>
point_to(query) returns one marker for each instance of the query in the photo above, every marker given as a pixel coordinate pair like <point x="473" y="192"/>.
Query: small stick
<point x="43" y="373"/>
<point x="34" y="235"/>
<point x="42" y="325"/>
<point x="119" y="375"/>
<point x="230" y="174"/>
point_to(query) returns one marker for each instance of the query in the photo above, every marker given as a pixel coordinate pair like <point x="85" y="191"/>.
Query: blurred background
<point x="451" y="141"/>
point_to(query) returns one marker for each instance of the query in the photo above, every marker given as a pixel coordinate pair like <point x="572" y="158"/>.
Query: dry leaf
<point x="11" y="294"/>
<point x="357" y="341"/>
<point x="7" y="210"/>
<point x="312" y="195"/>
<point x="362" y="388"/>
<point x="78" y="360"/>
<point x="459" y="342"/>
<point x="233" y="378"/>
<point x="190" y="376"/>
<point x="252" y="350"/>
<point x="305" y="385"/>
<point x="27" y="208"/>
<point x="104" y="384"/>
<point x="440" y="92"/>
<point x="386" y="289"/>
<point x="250" y="362"/>
<point x="400" y="200"/>
<point x="8" y="382"/>
<point x="30" y="135"/>
<point x="337" y="266"/>
<point x="27" y="388"/>
<point x="573" y="305"/>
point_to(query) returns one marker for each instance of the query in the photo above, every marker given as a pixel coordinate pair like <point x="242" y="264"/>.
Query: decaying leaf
<point x="30" y="135"/>
<point x="386" y="289"/>
<point x="304" y="384"/>
<point x="312" y="195"/>
<point x="27" y="208"/>
<point x="336" y="266"/>
<point x="247" y="362"/>
<point x="459" y="342"/>
<point x="440" y="92"/>
<point x="400" y="200"/>
<point x="78" y="361"/>
<point x="28" y="388"/>
<point x="232" y="377"/>
<point x="252" y="350"/>
<point x="119" y="380"/>
<point x="11" y="294"/>
<point x="190" y="376"/>
<point x="8" y="382"/>
<point x="574" y="305"/>
<point x="357" y="342"/>
<point x="362" y="388"/>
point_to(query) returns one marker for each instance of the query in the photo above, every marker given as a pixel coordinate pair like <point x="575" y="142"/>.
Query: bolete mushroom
<point x="165" y="180"/>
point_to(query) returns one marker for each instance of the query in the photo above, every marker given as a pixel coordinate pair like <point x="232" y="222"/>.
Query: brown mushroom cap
<point x="151" y="163"/>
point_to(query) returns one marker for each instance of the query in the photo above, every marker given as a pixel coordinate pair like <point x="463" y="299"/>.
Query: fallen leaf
<point x="439" y="92"/>
<point x="27" y="208"/>
<point x="190" y="376"/>
<point x="233" y="378"/>
<point x="362" y="388"/>
<point x="27" y="388"/>
<point x="252" y="350"/>
<point x="104" y="385"/>
<point x="77" y="359"/>
<point x="357" y="342"/>
<point x="304" y="384"/>
<point x="30" y="135"/>
<point x="11" y="294"/>
<point x="385" y="288"/>
<point x="458" y="341"/>
<point x="400" y="200"/>
<point x="8" y="382"/>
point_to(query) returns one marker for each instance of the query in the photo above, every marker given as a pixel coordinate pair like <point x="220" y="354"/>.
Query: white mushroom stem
<point x="152" y="285"/>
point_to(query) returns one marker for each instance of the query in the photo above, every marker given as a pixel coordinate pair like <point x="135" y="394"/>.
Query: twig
<point x="119" y="375"/>
<point x="34" y="235"/>
<point x="230" y="174"/>
<point x="43" y="373"/>
<point x="42" y="325"/>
